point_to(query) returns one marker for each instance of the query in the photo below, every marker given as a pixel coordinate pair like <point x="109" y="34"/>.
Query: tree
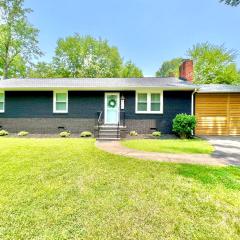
<point x="214" y="64"/>
<point x="42" y="70"/>
<point x="18" y="68"/>
<point x="170" y="68"/>
<point x="78" y="56"/>
<point x="129" y="70"/>
<point x="233" y="3"/>
<point x="18" y="38"/>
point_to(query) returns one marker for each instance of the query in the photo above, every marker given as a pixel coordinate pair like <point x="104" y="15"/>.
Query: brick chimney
<point x="186" y="70"/>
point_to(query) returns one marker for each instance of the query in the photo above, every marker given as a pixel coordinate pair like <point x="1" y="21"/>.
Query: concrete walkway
<point x="204" y="159"/>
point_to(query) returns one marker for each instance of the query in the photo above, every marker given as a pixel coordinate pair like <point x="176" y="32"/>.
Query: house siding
<point x="33" y="111"/>
<point x="174" y="102"/>
<point x="40" y="105"/>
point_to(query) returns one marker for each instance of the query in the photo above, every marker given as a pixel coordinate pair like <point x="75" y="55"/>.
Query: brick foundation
<point x="47" y="125"/>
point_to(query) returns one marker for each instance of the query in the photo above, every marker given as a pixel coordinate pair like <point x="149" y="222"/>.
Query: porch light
<point x="122" y="102"/>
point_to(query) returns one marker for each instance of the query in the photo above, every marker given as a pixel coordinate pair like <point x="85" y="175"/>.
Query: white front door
<point x="111" y="108"/>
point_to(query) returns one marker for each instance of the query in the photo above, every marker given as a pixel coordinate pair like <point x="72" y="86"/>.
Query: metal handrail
<point x="99" y="121"/>
<point x="118" y="130"/>
<point x="122" y="117"/>
<point x="100" y="116"/>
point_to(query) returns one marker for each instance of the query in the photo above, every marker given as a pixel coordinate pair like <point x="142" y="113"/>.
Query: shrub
<point x="156" y="134"/>
<point x="86" y="134"/>
<point x="64" y="134"/>
<point x="3" y="133"/>
<point x="183" y="125"/>
<point x="23" y="133"/>
<point x="133" y="133"/>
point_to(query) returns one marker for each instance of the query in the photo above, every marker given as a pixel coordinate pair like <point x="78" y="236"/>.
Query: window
<point x="60" y="102"/>
<point x="149" y="102"/>
<point x="2" y="102"/>
<point x="155" y="102"/>
<point x="142" y="102"/>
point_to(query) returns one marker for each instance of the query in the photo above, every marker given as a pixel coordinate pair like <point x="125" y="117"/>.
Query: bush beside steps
<point x="133" y="133"/>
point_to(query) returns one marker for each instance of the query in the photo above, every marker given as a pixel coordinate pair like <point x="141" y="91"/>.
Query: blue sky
<point x="147" y="32"/>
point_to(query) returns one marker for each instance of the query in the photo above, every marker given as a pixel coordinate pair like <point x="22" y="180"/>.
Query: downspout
<point x="192" y="107"/>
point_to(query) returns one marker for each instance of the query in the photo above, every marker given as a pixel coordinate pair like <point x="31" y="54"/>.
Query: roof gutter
<point x="95" y="88"/>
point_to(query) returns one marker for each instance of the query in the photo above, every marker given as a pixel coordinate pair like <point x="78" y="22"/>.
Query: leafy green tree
<point x="78" y="56"/>
<point x="214" y="64"/>
<point x="18" y="38"/>
<point x="233" y="3"/>
<point x="42" y="70"/>
<point x="18" y="68"/>
<point x="130" y="70"/>
<point x="170" y="68"/>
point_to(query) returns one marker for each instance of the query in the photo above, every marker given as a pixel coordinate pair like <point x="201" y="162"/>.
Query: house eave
<point x="224" y="91"/>
<point x="98" y="89"/>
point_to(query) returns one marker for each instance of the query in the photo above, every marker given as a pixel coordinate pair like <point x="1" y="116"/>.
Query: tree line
<point x="85" y="56"/>
<point x="75" y="56"/>
<point x="233" y="3"/>
<point x="212" y="64"/>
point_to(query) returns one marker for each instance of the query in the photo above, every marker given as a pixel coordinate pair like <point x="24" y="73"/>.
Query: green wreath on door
<point x="112" y="103"/>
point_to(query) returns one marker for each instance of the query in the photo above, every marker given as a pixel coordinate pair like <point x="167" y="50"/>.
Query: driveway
<point x="227" y="148"/>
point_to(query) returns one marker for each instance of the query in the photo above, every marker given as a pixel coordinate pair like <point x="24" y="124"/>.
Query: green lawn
<point x="170" y="145"/>
<point x="68" y="189"/>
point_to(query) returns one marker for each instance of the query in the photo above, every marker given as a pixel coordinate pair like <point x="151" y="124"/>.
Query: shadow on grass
<point x="229" y="177"/>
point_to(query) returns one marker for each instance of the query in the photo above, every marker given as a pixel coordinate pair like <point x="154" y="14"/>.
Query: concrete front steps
<point x="109" y="133"/>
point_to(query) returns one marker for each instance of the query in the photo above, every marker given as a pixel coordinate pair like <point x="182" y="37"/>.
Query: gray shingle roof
<point x="95" y="83"/>
<point x="112" y="84"/>
<point x="218" y="88"/>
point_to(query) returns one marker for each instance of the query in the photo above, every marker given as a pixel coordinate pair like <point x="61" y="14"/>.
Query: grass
<point x="68" y="189"/>
<point x="170" y="145"/>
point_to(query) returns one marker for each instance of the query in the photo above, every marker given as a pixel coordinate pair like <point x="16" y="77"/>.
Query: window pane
<point x="61" y="106"/>
<point x="155" y="106"/>
<point x="155" y="97"/>
<point x="142" y="106"/>
<point x="1" y="97"/>
<point x="1" y="106"/>
<point x="142" y="97"/>
<point x="61" y="97"/>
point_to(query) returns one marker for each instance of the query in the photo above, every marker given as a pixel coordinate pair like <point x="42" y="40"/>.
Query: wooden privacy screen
<point x="217" y="113"/>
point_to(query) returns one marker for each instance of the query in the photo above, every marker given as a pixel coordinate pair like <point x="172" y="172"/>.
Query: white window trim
<point x="149" y="102"/>
<point x="3" y="110"/>
<point x="54" y="102"/>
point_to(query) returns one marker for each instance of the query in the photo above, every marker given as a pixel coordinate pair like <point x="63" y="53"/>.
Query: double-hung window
<point x="60" y="102"/>
<point x="142" y="102"/>
<point x="2" y="102"/>
<point x="155" y="102"/>
<point x="149" y="102"/>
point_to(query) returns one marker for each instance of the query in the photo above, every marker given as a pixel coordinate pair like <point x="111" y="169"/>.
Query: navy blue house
<point x="51" y="105"/>
<point x="111" y="107"/>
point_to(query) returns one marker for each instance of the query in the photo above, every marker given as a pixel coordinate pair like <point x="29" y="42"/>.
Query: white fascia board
<point x="97" y="89"/>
